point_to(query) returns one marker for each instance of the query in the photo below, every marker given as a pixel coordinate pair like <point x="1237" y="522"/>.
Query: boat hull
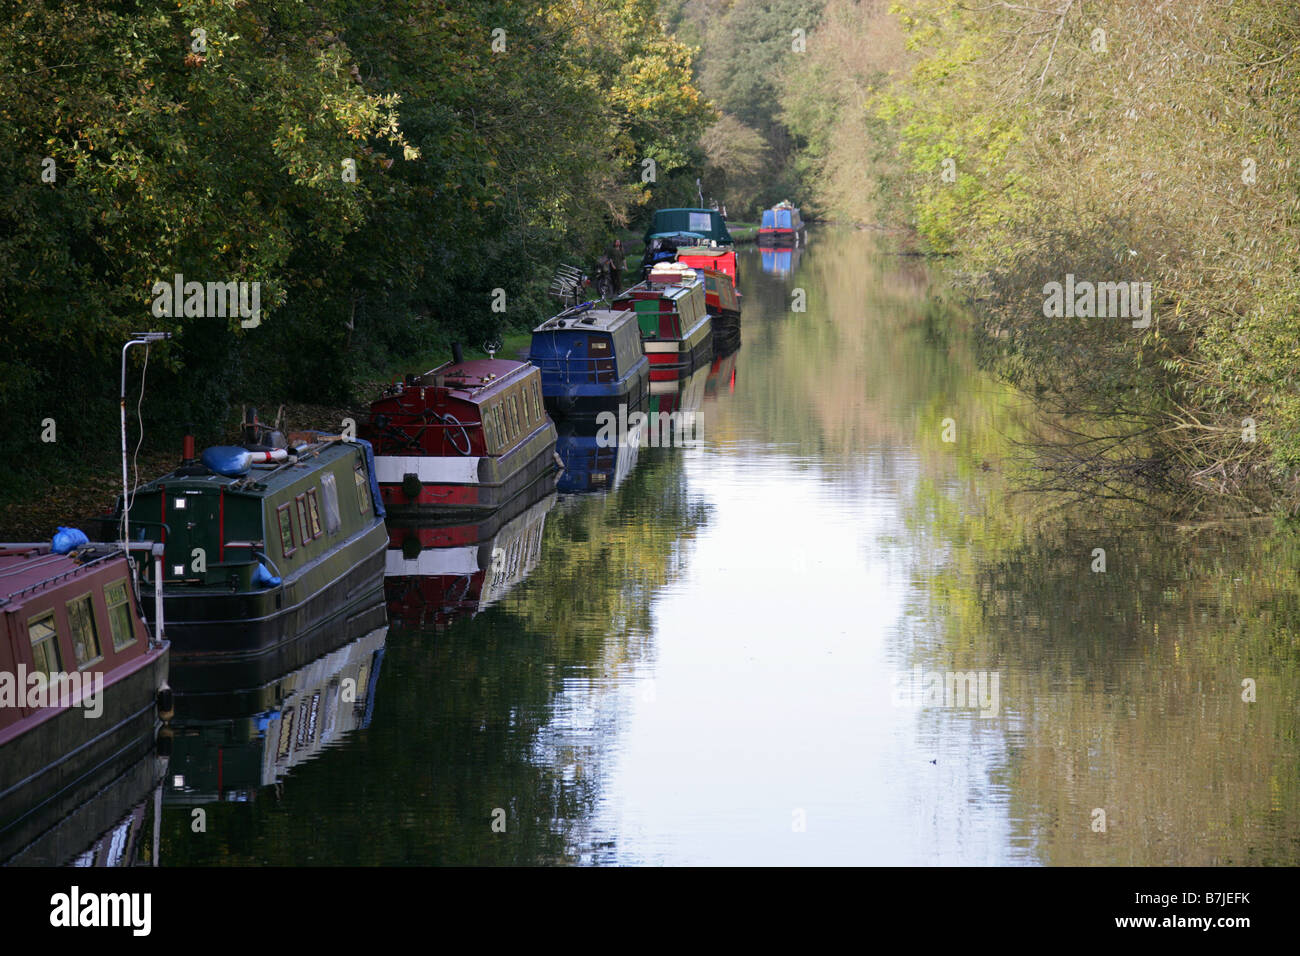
<point x="670" y="357"/>
<point x="460" y="489"/>
<point x="585" y="401"/>
<point x="779" y="237"/>
<point x="206" y="625"/>
<point x="35" y="789"/>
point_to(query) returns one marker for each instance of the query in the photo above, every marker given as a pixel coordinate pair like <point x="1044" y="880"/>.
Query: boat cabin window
<point x="285" y="521"/>
<point x="537" y="401"/>
<point x="45" y="644"/>
<point x="501" y="422"/>
<point x="514" y="414"/>
<point x="330" y="493"/>
<point x="85" y="640"/>
<point x="313" y="514"/>
<point x="489" y="433"/>
<point x="304" y="526"/>
<point x="119" y="614"/>
<point x="286" y="733"/>
<point x="363" y="490"/>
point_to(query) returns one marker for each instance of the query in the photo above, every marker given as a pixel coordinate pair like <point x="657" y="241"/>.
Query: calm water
<point x="711" y="662"/>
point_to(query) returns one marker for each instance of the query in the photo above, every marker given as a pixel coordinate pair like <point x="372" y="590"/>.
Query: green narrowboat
<point x="262" y="543"/>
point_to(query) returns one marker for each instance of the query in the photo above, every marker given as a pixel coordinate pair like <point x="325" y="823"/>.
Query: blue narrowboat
<point x="591" y="360"/>
<point x="781" y="226"/>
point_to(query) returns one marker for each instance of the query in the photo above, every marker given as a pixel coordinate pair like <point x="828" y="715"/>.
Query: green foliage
<point x="220" y="155"/>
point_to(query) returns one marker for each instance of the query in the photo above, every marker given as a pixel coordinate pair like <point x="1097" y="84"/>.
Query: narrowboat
<point x="720" y="300"/>
<point x="83" y="681"/>
<point x="439" y="575"/>
<point x="676" y="331"/>
<point x="263" y="541"/>
<point x="590" y="359"/>
<point x="780" y="226"/>
<point x="462" y="440"/>
<point x="673" y="229"/>
<point x="591" y="461"/>
<point x="243" y="741"/>
<point x="717" y="259"/>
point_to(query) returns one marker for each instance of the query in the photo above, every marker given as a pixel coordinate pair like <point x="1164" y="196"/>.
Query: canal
<point x="830" y="632"/>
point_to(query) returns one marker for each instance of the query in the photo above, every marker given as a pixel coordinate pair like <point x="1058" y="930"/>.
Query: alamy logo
<point x="653" y="429"/>
<point x="968" y="689"/>
<point x="196" y="300"/>
<point x="39" y="689"/>
<point x="75" y="909"/>
<point x="1099" y="300"/>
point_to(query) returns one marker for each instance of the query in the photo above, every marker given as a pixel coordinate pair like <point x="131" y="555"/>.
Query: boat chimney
<point x="187" y="449"/>
<point x="457" y="355"/>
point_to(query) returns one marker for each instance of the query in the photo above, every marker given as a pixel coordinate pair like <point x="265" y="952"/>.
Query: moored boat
<point x="718" y="259"/>
<point x="262" y="543"/>
<point x="781" y="226"/>
<point x="671" y="230"/>
<point x="461" y="440"/>
<point x="676" y="330"/>
<point x="83" y="681"/>
<point x="720" y="299"/>
<point x="590" y="360"/>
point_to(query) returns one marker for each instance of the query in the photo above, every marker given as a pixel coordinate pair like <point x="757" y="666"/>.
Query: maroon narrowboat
<point x="461" y="440"/>
<point x="83" y="683"/>
<point x="676" y="330"/>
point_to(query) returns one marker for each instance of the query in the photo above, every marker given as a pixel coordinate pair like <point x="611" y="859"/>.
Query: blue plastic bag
<point x="265" y="578"/>
<point x="66" y="539"/>
<point x="227" y="460"/>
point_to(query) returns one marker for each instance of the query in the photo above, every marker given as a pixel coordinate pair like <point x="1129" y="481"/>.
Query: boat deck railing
<point x="581" y="366"/>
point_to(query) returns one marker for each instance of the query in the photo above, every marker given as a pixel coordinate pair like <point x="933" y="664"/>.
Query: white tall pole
<point x="137" y="338"/>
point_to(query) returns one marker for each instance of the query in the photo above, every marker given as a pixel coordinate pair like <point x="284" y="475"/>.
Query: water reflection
<point x="776" y="261"/>
<point x="436" y="575"/>
<point x="115" y="826"/>
<point x="702" y="664"/>
<point x="230" y="743"/>
<point x="596" y="458"/>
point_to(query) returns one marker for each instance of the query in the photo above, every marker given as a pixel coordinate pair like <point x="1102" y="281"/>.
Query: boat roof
<point x="661" y="290"/>
<point x="599" y="320"/>
<point x="260" y="480"/>
<point x="688" y="221"/>
<point x="27" y="570"/>
<point x="473" y="379"/>
<point x="716" y="251"/>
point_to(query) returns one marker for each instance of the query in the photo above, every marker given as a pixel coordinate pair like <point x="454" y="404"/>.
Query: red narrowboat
<point x="676" y="330"/>
<point x="718" y="258"/>
<point x="83" y="683"/>
<point x="461" y="440"/>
